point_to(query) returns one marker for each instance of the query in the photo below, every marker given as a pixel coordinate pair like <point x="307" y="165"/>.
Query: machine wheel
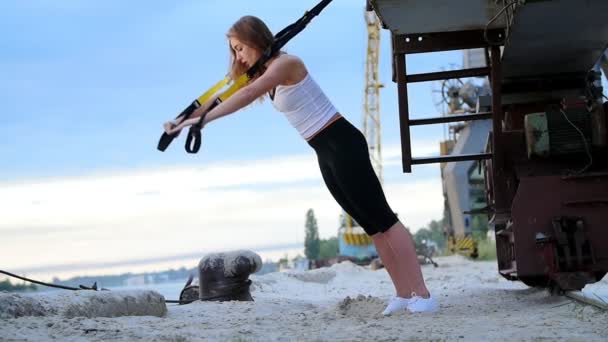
<point x="543" y="282"/>
<point x="536" y="281"/>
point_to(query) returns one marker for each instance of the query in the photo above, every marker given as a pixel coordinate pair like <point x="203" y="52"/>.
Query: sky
<point x="85" y="89"/>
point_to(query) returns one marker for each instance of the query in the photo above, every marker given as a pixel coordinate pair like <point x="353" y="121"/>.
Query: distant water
<point x="151" y="265"/>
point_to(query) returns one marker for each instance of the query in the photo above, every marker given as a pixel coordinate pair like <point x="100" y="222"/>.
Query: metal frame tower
<point x="354" y="242"/>
<point x="371" y="104"/>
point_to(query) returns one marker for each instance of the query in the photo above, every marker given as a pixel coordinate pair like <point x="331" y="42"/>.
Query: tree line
<point x="316" y="248"/>
<point x="6" y="285"/>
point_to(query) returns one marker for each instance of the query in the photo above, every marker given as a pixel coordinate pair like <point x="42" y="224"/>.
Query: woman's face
<point x="244" y="53"/>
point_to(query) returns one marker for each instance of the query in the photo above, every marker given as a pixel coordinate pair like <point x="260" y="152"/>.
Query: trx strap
<point x="193" y="141"/>
<point x="94" y="287"/>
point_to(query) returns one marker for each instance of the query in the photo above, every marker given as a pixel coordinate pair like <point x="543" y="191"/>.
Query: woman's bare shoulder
<point x="295" y="65"/>
<point x="291" y="60"/>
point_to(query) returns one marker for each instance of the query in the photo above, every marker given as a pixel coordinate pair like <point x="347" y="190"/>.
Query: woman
<point x="341" y="150"/>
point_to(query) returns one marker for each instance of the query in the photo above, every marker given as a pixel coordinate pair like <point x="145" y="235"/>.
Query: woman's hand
<point x="171" y="127"/>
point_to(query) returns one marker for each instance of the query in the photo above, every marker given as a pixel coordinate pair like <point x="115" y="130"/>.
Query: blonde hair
<point x="251" y="31"/>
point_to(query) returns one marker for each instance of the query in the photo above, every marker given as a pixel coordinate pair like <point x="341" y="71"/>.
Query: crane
<point x="353" y="242"/>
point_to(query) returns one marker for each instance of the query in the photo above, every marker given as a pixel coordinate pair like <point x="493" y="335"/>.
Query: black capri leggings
<point x="348" y="173"/>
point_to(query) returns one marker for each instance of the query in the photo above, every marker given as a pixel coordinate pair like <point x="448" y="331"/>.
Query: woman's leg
<point x="358" y="181"/>
<point x="386" y="256"/>
<point x="330" y="181"/>
<point x="383" y="249"/>
<point x="412" y="293"/>
<point x="357" y="184"/>
<point x="408" y="275"/>
<point x="380" y="242"/>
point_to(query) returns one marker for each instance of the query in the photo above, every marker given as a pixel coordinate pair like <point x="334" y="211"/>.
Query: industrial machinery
<point x="353" y="242"/>
<point x="544" y="161"/>
<point x="464" y="198"/>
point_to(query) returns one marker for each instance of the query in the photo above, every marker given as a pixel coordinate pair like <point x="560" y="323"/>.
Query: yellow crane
<point x="354" y="241"/>
<point x="371" y="104"/>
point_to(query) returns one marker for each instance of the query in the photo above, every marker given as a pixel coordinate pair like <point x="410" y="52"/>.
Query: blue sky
<point x="84" y="91"/>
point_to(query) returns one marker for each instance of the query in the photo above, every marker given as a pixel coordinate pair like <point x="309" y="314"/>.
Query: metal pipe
<point x="451" y="118"/>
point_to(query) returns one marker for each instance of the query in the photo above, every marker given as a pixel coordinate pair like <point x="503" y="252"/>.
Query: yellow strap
<point x="207" y="95"/>
<point x="238" y="84"/>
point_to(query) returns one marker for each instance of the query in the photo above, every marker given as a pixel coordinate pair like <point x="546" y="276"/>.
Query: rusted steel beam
<point x="451" y="118"/>
<point x="445" y="41"/>
<point x="451" y="158"/>
<point x="498" y="160"/>
<point x="446" y="75"/>
<point x="404" y="115"/>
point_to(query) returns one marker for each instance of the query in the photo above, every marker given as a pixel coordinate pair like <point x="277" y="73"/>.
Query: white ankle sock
<point x="419" y="304"/>
<point x="396" y="304"/>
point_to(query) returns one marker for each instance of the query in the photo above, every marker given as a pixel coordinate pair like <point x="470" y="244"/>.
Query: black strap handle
<point x="194" y="139"/>
<point x="166" y="139"/>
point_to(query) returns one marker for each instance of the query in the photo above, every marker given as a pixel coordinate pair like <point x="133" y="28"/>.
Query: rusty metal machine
<point x="545" y="160"/>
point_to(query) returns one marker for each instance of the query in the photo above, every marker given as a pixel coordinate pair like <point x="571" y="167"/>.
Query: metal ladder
<point x="404" y="44"/>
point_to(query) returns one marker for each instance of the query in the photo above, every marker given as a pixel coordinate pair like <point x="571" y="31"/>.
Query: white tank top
<point x="305" y="105"/>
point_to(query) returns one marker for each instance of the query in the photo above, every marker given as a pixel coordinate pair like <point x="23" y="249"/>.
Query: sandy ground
<point x="343" y="303"/>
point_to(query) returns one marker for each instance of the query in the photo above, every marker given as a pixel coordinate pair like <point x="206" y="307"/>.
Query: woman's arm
<point x="171" y="125"/>
<point x="277" y="72"/>
<point x="203" y="108"/>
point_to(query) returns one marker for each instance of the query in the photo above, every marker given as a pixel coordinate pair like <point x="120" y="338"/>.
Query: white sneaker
<point x="419" y="304"/>
<point x="396" y="304"/>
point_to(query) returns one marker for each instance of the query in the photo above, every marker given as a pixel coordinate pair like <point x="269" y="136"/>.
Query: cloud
<point x="164" y="212"/>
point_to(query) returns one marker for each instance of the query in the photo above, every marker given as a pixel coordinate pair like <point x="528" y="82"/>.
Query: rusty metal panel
<point x="414" y="16"/>
<point x="584" y="197"/>
<point x="558" y="36"/>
